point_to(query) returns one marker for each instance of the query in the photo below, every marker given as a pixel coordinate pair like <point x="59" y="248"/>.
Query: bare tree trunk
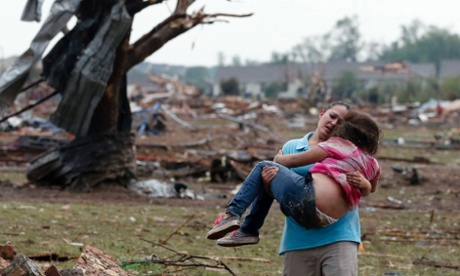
<point x="103" y="149"/>
<point x="86" y="162"/>
<point x="106" y="152"/>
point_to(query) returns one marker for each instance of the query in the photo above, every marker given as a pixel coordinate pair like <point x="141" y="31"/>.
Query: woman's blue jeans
<point x="294" y="193"/>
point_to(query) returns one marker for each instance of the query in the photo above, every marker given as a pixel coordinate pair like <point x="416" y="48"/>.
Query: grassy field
<point x="393" y="240"/>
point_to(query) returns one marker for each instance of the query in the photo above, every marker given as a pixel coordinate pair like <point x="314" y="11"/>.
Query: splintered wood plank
<point x="95" y="262"/>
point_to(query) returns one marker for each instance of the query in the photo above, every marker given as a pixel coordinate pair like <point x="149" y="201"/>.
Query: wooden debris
<point x="241" y="169"/>
<point x="23" y="266"/>
<point x="254" y="126"/>
<point x="7" y="251"/>
<point x="50" y="257"/>
<point x="176" y="119"/>
<point x="92" y="261"/>
<point x="3" y="264"/>
<point x="95" y="262"/>
<point x="72" y="272"/>
<point x="52" y="271"/>
<point x="425" y="261"/>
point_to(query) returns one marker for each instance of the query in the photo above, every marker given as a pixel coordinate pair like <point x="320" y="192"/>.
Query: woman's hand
<point x="357" y="180"/>
<point x="268" y="174"/>
<point x="277" y="156"/>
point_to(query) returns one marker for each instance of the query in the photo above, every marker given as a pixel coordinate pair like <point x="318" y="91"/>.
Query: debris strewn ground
<point x="203" y="153"/>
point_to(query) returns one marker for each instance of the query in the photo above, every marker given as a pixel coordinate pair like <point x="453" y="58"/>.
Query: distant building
<point x="296" y="77"/>
<point x="254" y="79"/>
<point x="449" y="68"/>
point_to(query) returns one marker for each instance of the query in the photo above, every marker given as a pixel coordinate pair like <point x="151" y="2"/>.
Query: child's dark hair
<point x="361" y="130"/>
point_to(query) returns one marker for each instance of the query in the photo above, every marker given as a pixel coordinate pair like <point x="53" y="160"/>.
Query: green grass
<point x="393" y="238"/>
<point x="436" y="156"/>
<point x="13" y="177"/>
<point x="441" y="157"/>
<point x="122" y="232"/>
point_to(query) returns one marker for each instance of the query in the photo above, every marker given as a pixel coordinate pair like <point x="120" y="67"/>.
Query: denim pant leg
<point x="252" y="187"/>
<point x="256" y="217"/>
<point x="296" y="196"/>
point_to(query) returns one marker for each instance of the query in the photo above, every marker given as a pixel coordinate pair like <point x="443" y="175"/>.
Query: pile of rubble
<point x="91" y="261"/>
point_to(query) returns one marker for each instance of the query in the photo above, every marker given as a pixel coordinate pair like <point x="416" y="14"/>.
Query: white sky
<point x="276" y="25"/>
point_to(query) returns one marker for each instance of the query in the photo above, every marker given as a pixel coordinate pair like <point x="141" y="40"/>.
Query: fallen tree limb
<point x="242" y="259"/>
<point x="177" y="229"/>
<point x="186" y="260"/>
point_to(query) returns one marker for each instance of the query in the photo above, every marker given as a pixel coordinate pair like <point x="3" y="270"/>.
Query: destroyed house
<point x="253" y="80"/>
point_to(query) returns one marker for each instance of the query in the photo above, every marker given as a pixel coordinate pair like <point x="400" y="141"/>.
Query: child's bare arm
<point x="357" y="180"/>
<point x="308" y="157"/>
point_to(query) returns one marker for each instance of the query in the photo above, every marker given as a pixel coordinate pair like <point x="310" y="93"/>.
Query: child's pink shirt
<point x="345" y="157"/>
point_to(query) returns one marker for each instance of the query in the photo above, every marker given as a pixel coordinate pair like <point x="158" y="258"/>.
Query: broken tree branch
<point x="189" y="258"/>
<point x="177" y="229"/>
<point x="242" y="259"/>
<point x="176" y="24"/>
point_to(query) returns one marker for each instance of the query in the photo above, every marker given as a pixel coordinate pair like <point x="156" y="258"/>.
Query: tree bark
<point x="104" y="150"/>
<point x="87" y="162"/>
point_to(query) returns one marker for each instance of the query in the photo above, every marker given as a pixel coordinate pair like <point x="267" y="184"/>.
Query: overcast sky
<point x="277" y="25"/>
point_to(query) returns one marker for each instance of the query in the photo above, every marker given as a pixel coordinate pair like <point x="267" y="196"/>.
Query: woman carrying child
<point x="322" y="196"/>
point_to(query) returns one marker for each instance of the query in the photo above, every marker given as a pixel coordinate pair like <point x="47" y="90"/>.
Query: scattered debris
<point x="186" y="260"/>
<point x="425" y="261"/>
<point x="92" y="261"/>
<point x="408" y="174"/>
<point x="156" y="188"/>
<point x="7" y="251"/>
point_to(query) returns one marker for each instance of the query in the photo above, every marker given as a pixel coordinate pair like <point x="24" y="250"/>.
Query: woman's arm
<point x="308" y="157"/>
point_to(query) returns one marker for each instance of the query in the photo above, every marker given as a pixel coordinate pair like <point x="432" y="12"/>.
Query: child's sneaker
<point x="238" y="238"/>
<point x="222" y="226"/>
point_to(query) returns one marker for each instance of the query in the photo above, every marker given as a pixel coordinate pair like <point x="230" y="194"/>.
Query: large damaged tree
<point x="88" y="69"/>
